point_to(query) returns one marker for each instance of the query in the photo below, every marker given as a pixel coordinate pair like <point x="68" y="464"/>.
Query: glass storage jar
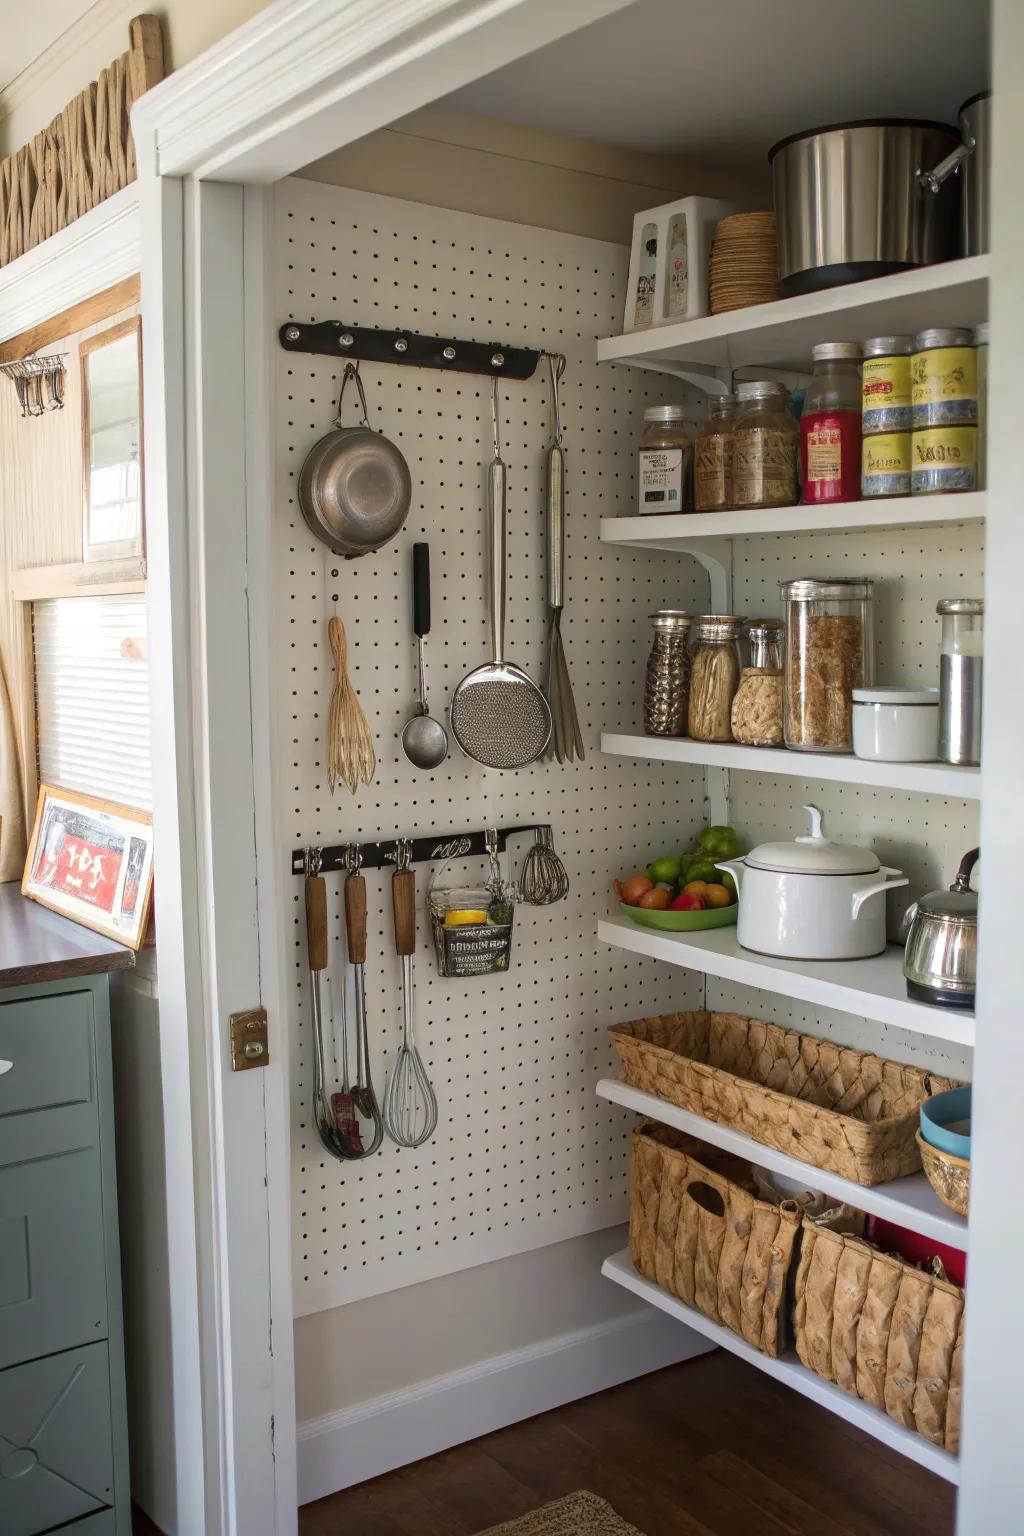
<point x="714" y="676"/>
<point x="764" y="446"/>
<point x="829" y="652"/>
<point x="757" y="707"/>
<point x="664" y="465"/>
<point x="712" y="457"/>
<point x="960" y="678"/>
<point x="667" y="683"/>
<point x="830" y="424"/>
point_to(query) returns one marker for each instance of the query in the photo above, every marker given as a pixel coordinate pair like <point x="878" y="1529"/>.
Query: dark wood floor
<point x="709" y="1448"/>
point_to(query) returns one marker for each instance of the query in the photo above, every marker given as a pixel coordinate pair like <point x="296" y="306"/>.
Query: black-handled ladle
<point x="424" y="740"/>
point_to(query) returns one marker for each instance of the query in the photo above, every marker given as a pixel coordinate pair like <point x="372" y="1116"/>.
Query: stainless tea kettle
<point x="941" y="959"/>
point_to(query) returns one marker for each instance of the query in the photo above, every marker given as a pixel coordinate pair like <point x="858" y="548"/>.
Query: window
<point x="92" y="696"/>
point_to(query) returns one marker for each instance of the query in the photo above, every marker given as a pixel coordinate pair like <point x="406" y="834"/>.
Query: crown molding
<point x="98" y="250"/>
<point x="100" y="15"/>
<point x="304" y="77"/>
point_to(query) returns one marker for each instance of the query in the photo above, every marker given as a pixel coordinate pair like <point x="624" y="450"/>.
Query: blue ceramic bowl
<point x="937" y="1113"/>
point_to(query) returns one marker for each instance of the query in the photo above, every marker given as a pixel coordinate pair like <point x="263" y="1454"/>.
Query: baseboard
<point x="386" y="1432"/>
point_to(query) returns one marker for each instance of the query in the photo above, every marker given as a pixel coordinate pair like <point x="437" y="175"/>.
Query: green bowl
<point x="683" y="922"/>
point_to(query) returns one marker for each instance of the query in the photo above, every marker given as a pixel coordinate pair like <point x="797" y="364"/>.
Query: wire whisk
<point x="544" y="878"/>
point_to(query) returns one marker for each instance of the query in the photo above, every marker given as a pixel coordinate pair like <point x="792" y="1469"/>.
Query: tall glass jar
<point x="764" y="446"/>
<point x="829" y="652"/>
<point x="714" y="676"/>
<point x="712" y="457"/>
<point x="960" y="676"/>
<point x="757" y="707"/>
<point x="664" y="464"/>
<point x="830" y="424"/>
<point x="667" y="684"/>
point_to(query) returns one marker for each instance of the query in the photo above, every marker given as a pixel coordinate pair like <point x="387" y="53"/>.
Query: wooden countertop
<point x="39" y="945"/>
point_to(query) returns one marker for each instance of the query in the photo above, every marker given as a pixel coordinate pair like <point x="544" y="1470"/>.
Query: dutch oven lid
<point x="814" y="854"/>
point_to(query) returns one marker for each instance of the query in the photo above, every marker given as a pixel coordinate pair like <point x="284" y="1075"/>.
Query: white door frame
<point x="303" y="77"/>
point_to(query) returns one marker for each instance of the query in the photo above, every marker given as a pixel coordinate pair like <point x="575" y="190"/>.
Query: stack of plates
<point x="744" y="265"/>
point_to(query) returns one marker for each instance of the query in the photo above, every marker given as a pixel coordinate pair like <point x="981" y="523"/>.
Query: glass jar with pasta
<point x="714" y="676"/>
<point x="829" y="653"/>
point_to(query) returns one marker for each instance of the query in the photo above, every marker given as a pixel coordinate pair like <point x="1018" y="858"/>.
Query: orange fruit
<point x="656" y="899"/>
<point x="718" y="896"/>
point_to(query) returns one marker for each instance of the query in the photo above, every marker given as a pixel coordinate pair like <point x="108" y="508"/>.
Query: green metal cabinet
<point x="63" y="1421"/>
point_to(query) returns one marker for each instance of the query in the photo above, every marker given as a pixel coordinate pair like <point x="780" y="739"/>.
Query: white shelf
<point x="789" y="1371"/>
<point x="873" y="989"/>
<point x="686" y="532"/>
<point x="782" y="334"/>
<point x="924" y="778"/>
<point x="909" y="1202"/>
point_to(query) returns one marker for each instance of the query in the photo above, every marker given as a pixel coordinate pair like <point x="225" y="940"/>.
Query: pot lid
<point x="814" y="854"/>
<point x="892" y="693"/>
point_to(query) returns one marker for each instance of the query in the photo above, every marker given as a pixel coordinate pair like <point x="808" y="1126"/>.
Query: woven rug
<point x="579" y="1514"/>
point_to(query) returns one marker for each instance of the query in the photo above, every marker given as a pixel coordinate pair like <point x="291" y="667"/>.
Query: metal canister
<point x="960" y="677"/>
<point x="885" y="464"/>
<point x="885" y="385"/>
<point x="944" y="379"/>
<point x="667" y="683"/>
<point x="944" y="459"/>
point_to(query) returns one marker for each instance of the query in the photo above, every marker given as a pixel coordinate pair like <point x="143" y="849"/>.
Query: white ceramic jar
<point x="812" y="899"/>
<point x="896" y="725"/>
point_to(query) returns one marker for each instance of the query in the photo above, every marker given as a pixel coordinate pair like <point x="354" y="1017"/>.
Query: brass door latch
<point x="249" y="1046"/>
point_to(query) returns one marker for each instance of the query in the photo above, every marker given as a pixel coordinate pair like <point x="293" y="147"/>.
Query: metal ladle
<point x="424" y="740"/>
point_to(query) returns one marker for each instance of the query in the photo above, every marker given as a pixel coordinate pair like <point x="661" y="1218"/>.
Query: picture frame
<point x="113" y="482"/>
<point x="92" y="861"/>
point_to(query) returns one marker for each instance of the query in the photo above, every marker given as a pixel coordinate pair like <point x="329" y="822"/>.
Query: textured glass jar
<point x="714" y="676"/>
<point x="829" y="653"/>
<point x="667" y="683"/>
<point x="712" y="457"/>
<point x="764" y="447"/>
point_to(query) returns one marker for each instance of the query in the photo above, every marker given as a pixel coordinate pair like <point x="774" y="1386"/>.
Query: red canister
<point x="830" y="427"/>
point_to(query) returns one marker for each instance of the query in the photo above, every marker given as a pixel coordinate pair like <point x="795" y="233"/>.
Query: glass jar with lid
<point x="712" y="457"/>
<point x="667" y="683"/>
<point x="960" y="676"/>
<point x="764" y="447"/>
<point x="757" y="707"/>
<point x="714" y="676"/>
<point x="829" y="652"/>
<point x="830" y="424"/>
<point x="664" y="465"/>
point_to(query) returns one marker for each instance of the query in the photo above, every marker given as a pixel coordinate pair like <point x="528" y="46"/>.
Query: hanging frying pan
<point x="354" y="487"/>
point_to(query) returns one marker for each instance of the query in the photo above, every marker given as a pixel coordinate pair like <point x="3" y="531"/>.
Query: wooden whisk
<point x="350" y="754"/>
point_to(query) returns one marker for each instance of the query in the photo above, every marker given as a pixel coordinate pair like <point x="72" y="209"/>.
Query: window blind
<point x="92" y="697"/>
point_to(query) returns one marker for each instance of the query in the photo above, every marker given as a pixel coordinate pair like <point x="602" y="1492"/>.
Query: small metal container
<point x="667" y="683"/>
<point x="885" y="384"/>
<point x="944" y="379"/>
<point x="960" y="679"/>
<point x="885" y="466"/>
<point x="941" y="958"/>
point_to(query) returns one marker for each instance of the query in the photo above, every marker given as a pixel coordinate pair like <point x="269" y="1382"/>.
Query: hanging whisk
<point x="544" y="877"/>
<point x="350" y="754"/>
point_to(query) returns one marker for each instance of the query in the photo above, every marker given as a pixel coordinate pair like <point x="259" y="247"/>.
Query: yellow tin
<point x="944" y="380"/>
<point x="885" y="464"/>
<point x="944" y="459"/>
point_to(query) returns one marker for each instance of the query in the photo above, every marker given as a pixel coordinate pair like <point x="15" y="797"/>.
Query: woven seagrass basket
<point x="698" y="1229"/>
<point x="882" y="1330"/>
<point x="847" y="1111"/>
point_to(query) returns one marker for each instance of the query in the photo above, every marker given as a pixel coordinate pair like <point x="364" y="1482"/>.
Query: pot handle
<point x="860" y="897"/>
<point x="931" y="181"/>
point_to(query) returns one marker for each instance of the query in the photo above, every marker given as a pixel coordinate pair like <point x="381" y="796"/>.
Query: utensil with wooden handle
<point x="316" y="944"/>
<point x="410" y="1104"/>
<point x="363" y="1096"/>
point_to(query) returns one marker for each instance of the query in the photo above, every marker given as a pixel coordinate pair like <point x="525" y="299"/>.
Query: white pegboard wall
<point x="524" y="1154"/>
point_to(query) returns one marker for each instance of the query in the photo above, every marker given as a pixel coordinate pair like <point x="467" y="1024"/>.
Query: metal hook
<point x="352" y="372"/>
<point x="556" y="366"/>
<point x="403" y="852"/>
<point x="353" y="858"/>
<point x="494" y="417"/>
<point x="314" y="861"/>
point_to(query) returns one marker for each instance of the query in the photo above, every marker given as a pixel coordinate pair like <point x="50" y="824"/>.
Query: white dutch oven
<point x="812" y="899"/>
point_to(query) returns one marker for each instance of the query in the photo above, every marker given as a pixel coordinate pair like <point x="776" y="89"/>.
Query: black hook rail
<point x="329" y="338"/>
<point x="422" y="850"/>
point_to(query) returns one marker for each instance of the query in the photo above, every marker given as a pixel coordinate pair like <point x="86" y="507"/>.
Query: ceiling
<point x="727" y="78"/>
<point x="27" y="30"/>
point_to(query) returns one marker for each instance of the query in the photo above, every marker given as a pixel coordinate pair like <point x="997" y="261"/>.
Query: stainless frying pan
<point x="354" y="487"/>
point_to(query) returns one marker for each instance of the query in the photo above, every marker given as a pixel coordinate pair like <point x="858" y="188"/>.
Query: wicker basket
<point x="847" y="1111"/>
<point x="882" y="1330"/>
<point x="948" y="1175"/>
<point x="697" y="1228"/>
